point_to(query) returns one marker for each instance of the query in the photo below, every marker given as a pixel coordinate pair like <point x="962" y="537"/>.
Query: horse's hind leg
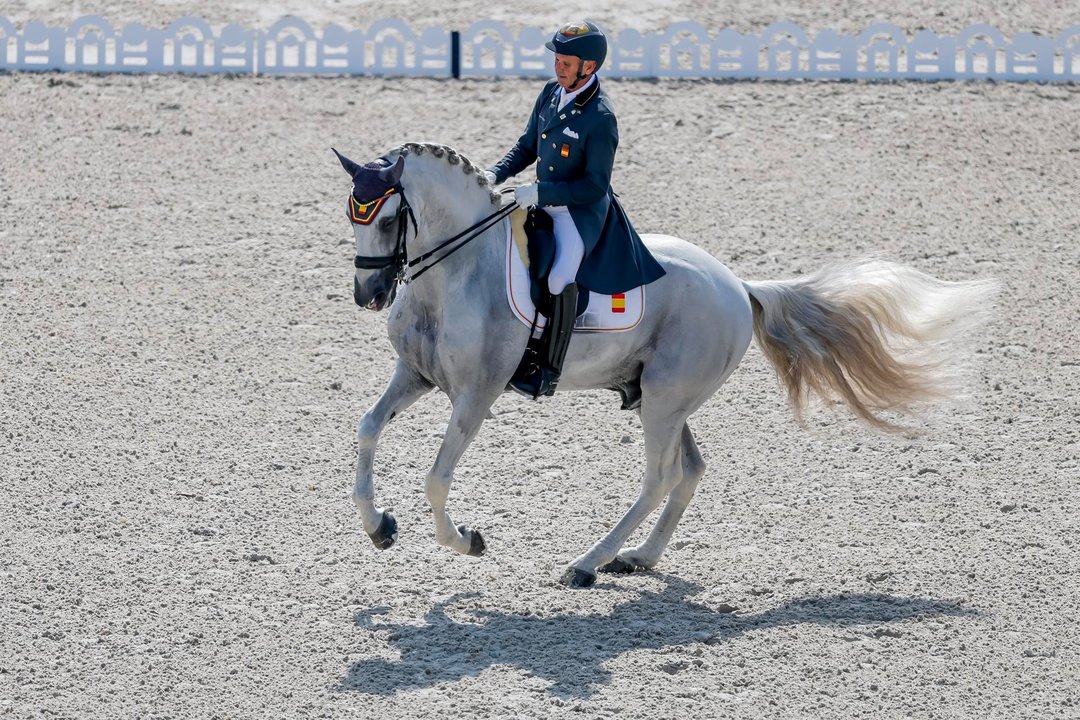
<point x="663" y="472"/>
<point x="404" y="388"/>
<point x="647" y="554"/>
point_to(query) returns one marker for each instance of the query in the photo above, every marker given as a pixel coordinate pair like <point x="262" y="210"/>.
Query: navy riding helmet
<point x="580" y="39"/>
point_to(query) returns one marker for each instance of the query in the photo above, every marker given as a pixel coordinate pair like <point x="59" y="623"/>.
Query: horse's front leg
<point x="405" y="388"/>
<point x="469" y="413"/>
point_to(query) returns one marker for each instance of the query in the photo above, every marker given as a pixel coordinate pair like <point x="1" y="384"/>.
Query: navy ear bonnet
<point x="372" y="185"/>
<point x="368" y="184"/>
<point x="370" y="181"/>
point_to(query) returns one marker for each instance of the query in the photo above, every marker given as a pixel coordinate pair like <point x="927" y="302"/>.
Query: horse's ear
<point x="392" y="174"/>
<point x="350" y="167"/>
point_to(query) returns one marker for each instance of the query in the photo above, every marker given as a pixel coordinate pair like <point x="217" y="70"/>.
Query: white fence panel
<point x="487" y="48"/>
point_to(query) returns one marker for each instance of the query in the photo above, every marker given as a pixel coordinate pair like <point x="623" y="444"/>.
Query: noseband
<point x="364" y="213"/>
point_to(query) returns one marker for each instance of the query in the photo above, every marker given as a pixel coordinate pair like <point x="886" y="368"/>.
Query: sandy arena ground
<point x="182" y="368"/>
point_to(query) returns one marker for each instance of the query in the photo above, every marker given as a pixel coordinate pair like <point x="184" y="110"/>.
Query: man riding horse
<point x="572" y="135"/>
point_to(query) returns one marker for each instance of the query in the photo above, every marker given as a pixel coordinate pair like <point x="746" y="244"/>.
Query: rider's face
<point x="567" y="68"/>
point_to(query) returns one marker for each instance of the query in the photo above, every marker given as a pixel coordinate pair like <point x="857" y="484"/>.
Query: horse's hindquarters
<point x="695" y="329"/>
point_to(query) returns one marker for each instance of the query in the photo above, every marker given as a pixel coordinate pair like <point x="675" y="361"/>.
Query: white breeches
<point x="569" y="250"/>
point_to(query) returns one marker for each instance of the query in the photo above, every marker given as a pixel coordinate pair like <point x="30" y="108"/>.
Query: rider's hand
<point x="527" y="195"/>
<point x="489" y="176"/>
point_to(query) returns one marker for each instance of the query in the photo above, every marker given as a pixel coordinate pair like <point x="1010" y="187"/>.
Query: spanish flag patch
<point x="565" y="151"/>
<point x="618" y="303"/>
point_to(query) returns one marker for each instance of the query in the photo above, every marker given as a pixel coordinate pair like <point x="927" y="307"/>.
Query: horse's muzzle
<point x="376" y="293"/>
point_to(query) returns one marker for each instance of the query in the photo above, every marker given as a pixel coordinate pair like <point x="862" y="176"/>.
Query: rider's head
<point x="580" y="49"/>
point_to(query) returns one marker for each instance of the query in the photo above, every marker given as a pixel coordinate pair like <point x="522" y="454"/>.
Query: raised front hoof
<point x="621" y="566"/>
<point x="575" y="578"/>
<point x="477" y="546"/>
<point x="385" y="535"/>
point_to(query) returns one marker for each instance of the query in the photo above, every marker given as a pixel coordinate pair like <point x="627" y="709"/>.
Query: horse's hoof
<point x="385" y="535"/>
<point x="574" y="578"/>
<point x="477" y="546"/>
<point x="619" y="566"/>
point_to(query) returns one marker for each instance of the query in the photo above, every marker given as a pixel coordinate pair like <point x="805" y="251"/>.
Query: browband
<point x="363" y="213"/>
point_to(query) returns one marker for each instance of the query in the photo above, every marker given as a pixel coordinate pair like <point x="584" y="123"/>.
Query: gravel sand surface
<point x="182" y="368"/>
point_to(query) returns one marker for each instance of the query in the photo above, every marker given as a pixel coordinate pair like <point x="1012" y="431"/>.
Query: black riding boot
<point x="543" y="375"/>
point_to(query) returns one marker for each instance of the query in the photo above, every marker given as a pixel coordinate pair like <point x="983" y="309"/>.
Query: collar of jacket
<point x="580" y="101"/>
<point x="590" y="92"/>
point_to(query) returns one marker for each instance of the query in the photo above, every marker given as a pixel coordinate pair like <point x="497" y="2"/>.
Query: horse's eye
<point x="386" y="224"/>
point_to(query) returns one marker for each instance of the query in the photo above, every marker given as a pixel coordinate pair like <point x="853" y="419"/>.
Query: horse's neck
<point x="447" y="202"/>
<point x="474" y="270"/>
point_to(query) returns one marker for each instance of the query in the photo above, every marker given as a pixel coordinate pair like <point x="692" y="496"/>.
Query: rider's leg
<point x="555" y="339"/>
<point x="569" y="250"/>
<point x="561" y="322"/>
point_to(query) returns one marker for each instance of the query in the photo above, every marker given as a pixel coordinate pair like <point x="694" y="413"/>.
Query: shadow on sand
<point x="570" y="650"/>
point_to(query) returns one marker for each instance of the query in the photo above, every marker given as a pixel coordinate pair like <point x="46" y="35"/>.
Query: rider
<point x="572" y="135"/>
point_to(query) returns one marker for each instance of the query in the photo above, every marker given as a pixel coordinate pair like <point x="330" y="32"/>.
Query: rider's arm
<point x="523" y="154"/>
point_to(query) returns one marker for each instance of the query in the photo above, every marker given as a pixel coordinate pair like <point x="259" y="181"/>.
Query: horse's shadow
<point x="569" y="651"/>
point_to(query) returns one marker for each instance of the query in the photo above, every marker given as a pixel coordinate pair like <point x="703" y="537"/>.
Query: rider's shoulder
<point x="604" y="104"/>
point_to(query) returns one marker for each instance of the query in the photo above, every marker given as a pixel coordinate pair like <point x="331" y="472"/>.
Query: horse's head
<point x="392" y="224"/>
<point x="378" y="211"/>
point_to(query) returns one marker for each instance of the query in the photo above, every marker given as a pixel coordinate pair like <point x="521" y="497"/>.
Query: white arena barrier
<point x="782" y="51"/>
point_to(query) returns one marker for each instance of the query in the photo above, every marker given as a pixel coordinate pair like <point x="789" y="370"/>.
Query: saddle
<point x="530" y="257"/>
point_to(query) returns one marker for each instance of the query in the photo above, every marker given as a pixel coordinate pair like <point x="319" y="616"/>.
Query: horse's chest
<point x="415" y="338"/>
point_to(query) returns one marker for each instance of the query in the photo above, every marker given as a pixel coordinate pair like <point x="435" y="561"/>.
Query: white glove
<point x="527" y="195"/>
<point x="490" y="177"/>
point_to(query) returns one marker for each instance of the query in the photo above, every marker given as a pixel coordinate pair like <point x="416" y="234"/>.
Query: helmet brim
<point x="550" y="46"/>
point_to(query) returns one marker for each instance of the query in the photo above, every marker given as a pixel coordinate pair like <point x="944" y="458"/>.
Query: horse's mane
<point x="451" y="156"/>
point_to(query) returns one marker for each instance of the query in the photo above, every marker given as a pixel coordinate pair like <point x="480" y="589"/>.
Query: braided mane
<point x="451" y="156"/>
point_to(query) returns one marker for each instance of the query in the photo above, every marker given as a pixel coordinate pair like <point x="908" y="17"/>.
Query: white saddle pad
<point x="606" y="313"/>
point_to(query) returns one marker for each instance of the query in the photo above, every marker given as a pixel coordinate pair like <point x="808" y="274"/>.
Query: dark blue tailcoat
<point x="574" y="151"/>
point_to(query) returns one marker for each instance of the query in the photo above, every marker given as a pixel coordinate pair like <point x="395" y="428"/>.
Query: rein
<point x="400" y="258"/>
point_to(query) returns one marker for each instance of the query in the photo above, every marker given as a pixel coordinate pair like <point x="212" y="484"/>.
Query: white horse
<point x="871" y="334"/>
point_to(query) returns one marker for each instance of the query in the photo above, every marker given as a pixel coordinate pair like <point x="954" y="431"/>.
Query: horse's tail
<point x="875" y="335"/>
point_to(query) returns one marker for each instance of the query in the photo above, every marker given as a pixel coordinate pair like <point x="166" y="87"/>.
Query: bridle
<point x="400" y="258"/>
<point x="364" y="213"/>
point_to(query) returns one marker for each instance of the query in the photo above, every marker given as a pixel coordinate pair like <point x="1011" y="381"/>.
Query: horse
<point x="871" y="334"/>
